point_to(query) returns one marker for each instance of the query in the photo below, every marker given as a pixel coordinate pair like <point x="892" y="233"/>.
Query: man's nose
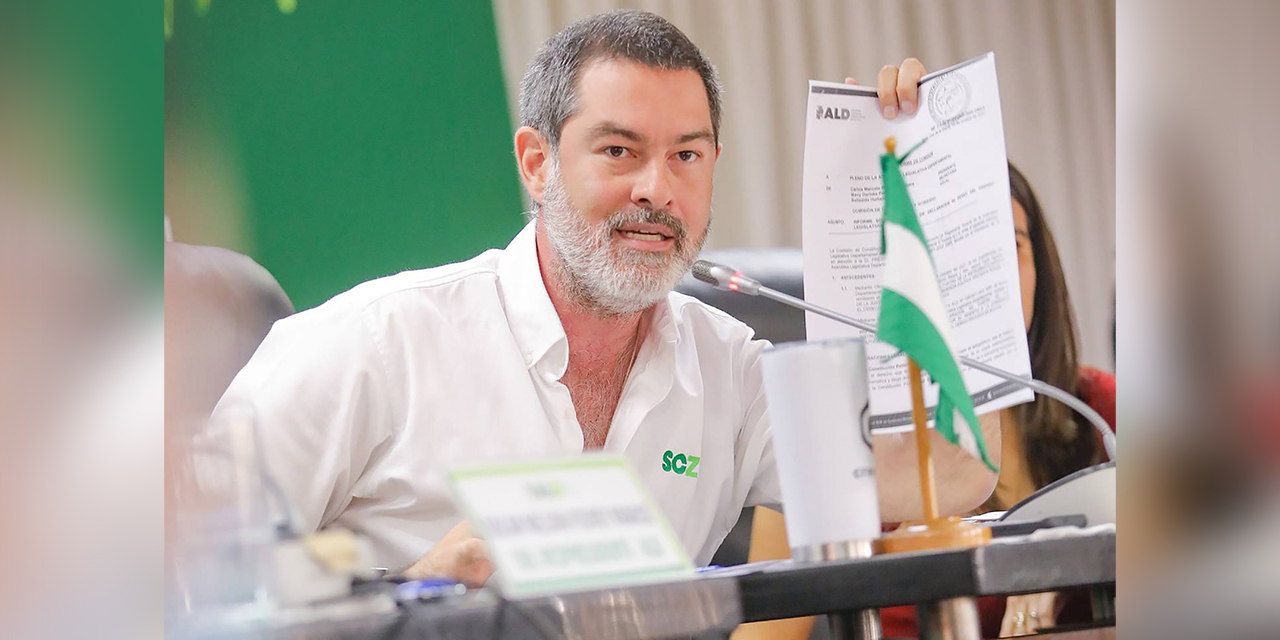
<point x="653" y="186"/>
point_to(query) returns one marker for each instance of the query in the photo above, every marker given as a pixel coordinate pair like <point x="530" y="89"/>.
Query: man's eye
<point x="616" y="152"/>
<point x="688" y="156"/>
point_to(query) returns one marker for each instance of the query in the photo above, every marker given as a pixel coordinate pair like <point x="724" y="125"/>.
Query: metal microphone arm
<point x="714" y="275"/>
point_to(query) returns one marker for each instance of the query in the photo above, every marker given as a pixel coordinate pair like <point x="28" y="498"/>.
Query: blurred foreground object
<point x="1198" y="310"/>
<point x="80" y="351"/>
<point x="233" y="565"/>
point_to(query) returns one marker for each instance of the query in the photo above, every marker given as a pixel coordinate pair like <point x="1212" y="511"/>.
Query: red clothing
<point x="1098" y="389"/>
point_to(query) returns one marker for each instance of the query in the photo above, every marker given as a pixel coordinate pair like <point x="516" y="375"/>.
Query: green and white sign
<point x="569" y="525"/>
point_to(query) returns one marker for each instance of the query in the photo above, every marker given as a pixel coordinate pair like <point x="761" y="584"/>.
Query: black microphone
<point x="730" y="279"/>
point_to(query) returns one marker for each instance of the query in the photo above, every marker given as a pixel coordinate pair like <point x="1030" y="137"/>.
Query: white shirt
<point x="363" y="402"/>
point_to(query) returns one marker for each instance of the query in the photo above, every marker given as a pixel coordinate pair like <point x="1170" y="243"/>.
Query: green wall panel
<point x="371" y="137"/>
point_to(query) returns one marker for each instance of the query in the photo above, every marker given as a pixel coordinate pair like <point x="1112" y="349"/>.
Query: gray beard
<point x="601" y="276"/>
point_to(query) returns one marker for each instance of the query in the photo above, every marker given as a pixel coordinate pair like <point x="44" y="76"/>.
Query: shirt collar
<point x="663" y="325"/>
<point x="533" y="318"/>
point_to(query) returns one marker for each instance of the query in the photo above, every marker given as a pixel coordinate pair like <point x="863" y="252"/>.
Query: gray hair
<point x="548" y="93"/>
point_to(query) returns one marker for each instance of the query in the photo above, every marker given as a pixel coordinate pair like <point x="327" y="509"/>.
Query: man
<point x="570" y="339"/>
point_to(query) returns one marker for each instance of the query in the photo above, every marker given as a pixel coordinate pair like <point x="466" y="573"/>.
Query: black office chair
<point x="776" y="268"/>
<point x="218" y="306"/>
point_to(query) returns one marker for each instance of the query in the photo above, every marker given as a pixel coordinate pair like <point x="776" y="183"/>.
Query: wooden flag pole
<point x="924" y="453"/>
<point x="920" y="418"/>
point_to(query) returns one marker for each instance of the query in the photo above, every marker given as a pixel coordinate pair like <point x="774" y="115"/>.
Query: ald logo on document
<point x="832" y="113"/>
<point x="680" y="464"/>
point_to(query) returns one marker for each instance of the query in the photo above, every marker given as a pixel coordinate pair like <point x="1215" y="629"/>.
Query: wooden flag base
<point x="944" y="533"/>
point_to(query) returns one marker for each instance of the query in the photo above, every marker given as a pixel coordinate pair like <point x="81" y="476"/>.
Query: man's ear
<point x="719" y="148"/>
<point x="533" y="155"/>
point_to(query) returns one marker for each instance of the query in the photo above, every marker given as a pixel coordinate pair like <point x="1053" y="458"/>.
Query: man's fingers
<point x="478" y="576"/>
<point x="850" y="80"/>
<point x="474" y="550"/>
<point x="458" y="533"/>
<point x="474" y="564"/>
<point x="452" y="557"/>
<point x="887" y="88"/>
<point x="420" y="570"/>
<point x="479" y="573"/>
<point x="908" y="84"/>
<point x="898" y="88"/>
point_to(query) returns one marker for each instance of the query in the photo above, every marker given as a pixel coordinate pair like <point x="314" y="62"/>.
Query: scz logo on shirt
<point x="680" y="464"/>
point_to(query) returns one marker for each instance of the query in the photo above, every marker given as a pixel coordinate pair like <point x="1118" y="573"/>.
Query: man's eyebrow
<point x="610" y="129"/>
<point x="703" y="134"/>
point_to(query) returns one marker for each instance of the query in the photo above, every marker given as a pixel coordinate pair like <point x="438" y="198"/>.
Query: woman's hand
<point x="1027" y="614"/>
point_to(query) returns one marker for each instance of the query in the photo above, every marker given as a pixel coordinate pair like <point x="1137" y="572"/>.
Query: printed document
<point x="959" y="183"/>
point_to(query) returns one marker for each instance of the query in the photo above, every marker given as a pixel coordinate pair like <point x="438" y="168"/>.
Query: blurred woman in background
<point x="1044" y="440"/>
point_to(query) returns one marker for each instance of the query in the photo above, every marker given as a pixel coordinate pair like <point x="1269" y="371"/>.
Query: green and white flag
<point x="912" y="316"/>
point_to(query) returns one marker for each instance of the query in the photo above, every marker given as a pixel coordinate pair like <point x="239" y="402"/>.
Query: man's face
<point x="628" y="203"/>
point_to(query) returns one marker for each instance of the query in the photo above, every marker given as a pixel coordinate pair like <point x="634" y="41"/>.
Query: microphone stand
<point x="751" y="287"/>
